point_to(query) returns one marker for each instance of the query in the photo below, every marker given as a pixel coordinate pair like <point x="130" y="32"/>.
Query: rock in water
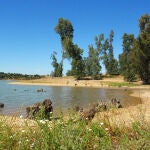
<point x="1" y="105"/>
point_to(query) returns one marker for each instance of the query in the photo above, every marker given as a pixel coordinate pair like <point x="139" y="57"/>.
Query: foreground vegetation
<point x="73" y="134"/>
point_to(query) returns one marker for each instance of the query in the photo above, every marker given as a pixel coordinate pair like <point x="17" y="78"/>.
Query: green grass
<point x="122" y="84"/>
<point x="72" y="134"/>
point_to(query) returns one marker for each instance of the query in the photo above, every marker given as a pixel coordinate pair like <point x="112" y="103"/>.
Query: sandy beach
<point x="70" y="81"/>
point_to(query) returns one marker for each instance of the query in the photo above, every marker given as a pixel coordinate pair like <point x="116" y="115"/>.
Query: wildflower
<point x="95" y="146"/>
<point x="106" y="129"/>
<point x="21" y="116"/>
<point x="42" y="121"/>
<point x="27" y="140"/>
<point x="51" y="112"/>
<point x="23" y="131"/>
<point x="19" y="142"/>
<point x="90" y="129"/>
<point x="101" y="123"/>
<point x="32" y="145"/>
<point x="11" y="137"/>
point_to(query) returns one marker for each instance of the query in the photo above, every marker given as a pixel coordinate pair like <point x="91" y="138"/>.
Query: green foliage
<point x="111" y="64"/>
<point x="70" y="50"/>
<point x="141" y="50"/>
<point x="122" y="84"/>
<point x="126" y="61"/>
<point x="4" y="76"/>
<point x="72" y="134"/>
<point x="57" y="66"/>
<point x="92" y="64"/>
<point x="134" y="60"/>
<point x="64" y="28"/>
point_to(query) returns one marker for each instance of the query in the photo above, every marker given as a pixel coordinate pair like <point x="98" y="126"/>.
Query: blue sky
<point x="27" y="36"/>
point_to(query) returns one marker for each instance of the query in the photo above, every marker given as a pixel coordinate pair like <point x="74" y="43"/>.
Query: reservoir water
<point x="17" y="97"/>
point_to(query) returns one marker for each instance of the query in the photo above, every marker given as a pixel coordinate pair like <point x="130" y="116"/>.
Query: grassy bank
<point x="71" y="134"/>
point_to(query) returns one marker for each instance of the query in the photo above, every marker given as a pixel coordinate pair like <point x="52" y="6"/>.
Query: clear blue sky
<point x="27" y="36"/>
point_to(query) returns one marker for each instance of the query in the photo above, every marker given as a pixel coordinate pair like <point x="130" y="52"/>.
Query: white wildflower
<point x="101" y="123"/>
<point x="32" y="145"/>
<point x="19" y="142"/>
<point x="106" y="129"/>
<point x="23" y="131"/>
<point x="42" y="121"/>
<point x="90" y="129"/>
<point x="21" y="116"/>
<point x="11" y="137"/>
<point x="95" y="146"/>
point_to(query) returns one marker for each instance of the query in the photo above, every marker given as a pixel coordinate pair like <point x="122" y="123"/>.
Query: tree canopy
<point x="134" y="61"/>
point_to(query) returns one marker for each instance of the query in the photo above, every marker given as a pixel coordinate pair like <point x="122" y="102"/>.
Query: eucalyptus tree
<point x="127" y="68"/>
<point x="92" y="66"/>
<point x="92" y="62"/>
<point x="70" y="50"/>
<point x="109" y="61"/>
<point x="57" y="66"/>
<point x="65" y="30"/>
<point x="141" y="50"/>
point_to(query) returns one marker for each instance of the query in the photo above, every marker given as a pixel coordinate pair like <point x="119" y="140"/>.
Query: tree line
<point x="4" y="76"/>
<point x="134" y="61"/>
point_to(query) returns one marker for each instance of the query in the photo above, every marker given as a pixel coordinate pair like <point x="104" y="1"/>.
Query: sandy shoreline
<point x="71" y="82"/>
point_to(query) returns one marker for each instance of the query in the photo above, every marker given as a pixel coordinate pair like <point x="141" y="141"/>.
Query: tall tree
<point x="65" y="30"/>
<point x="126" y="62"/>
<point x="109" y="61"/>
<point x="77" y="63"/>
<point x="92" y="63"/>
<point x="141" y="50"/>
<point x="57" y="66"/>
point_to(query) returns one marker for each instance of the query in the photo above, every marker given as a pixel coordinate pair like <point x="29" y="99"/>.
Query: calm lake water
<point x="17" y="97"/>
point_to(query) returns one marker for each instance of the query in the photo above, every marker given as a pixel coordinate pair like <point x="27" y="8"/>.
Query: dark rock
<point x="40" y="90"/>
<point x="1" y="105"/>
